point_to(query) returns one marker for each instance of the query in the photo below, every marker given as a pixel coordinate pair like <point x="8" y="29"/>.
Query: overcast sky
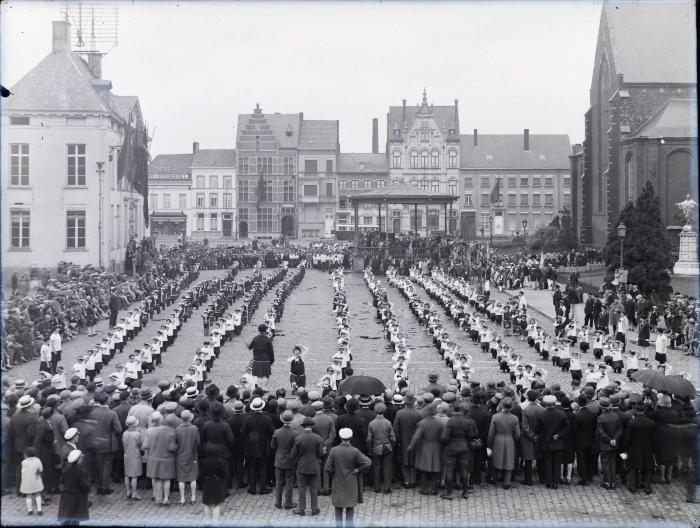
<point x="196" y="66"/>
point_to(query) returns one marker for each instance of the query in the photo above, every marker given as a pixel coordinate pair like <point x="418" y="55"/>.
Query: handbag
<point x="477" y="443"/>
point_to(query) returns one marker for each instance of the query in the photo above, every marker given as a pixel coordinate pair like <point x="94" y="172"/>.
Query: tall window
<point x="200" y="182"/>
<point x="287" y="191"/>
<point x="355" y="184"/>
<point x="166" y="201"/>
<point x="228" y="202"/>
<point x="453" y="187"/>
<point x="242" y="166"/>
<point x="19" y="164"/>
<point x="368" y="185"/>
<point x="214" y="222"/>
<point x="567" y="200"/>
<point x="485" y="200"/>
<point x="566" y="181"/>
<point x="329" y="188"/>
<point x="76" y="164"/>
<point x="267" y="191"/>
<point x="75" y="229"/>
<point x="288" y="165"/>
<point x="524" y="180"/>
<point x="183" y="201"/>
<point x="424" y="185"/>
<point x="549" y="199"/>
<point x="200" y="200"/>
<point x="257" y="143"/>
<point x="414" y="159"/>
<point x="512" y="181"/>
<point x="213" y="200"/>
<point x="154" y="201"/>
<point x="435" y="159"/>
<point x="266" y="220"/>
<point x="424" y="159"/>
<point x="630" y="175"/>
<point x="19" y="229"/>
<point x="536" y="181"/>
<point x="548" y="182"/>
<point x="243" y="191"/>
<point x="468" y="200"/>
<point x="485" y="182"/>
<point x="425" y="134"/>
<point x="228" y="182"/>
<point x="468" y="182"/>
<point x="536" y="200"/>
<point x="524" y="199"/>
<point x="310" y="190"/>
<point x="265" y="165"/>
<point x="396" y="159"/>
<point x="342" y="184"/>
<point x="200" y="221"/>
<point x="452" y="159"/>
<point x="434" y="186"/>
<point x="329" y="166"/>
<point x="433" y="219"/>
<point x="213" y="182"/>
<point x="511" y="200"/>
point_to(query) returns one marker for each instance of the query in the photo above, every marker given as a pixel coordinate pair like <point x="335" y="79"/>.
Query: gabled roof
<point x="652" y="42"/>
<point x="171" y="164"/>
<point x="284" y="128"/>
<point x="319" y="134"/>
<point x="506" y="151"/>
<point x="214" y="158"/>
<point x="677" y="118"/>
<point x="367" y="163"/>
<point x="61" y="82"/>
<point x="124" y="105"/>
<point x="401" y="192"/>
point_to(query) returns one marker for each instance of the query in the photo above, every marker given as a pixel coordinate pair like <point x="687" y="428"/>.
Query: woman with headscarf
<point x="160" y="447"/>
<point x="73" y="506"/>
<point x="504" y="432"/>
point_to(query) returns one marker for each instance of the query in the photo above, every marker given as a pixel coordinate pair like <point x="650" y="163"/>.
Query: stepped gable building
<point x="512" y="184"/>
<point x="641" y="123"/>
<point x="62" y="198"/>
<point x="423" y="149"/>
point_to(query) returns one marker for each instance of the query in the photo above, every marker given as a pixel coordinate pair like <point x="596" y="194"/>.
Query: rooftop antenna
<point x="94" y="26"/>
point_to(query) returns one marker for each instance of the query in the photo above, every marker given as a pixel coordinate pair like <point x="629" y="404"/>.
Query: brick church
<point x="642" y="120"/>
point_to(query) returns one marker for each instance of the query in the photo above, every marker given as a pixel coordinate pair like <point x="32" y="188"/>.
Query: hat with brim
<point x="73" y="456"/>
<point x="257" y="404"/>
<point x="345" y="433"/>
<point x="70" y="433"/>
<point x="191" y="392"/>
<point x="25" y="401"/>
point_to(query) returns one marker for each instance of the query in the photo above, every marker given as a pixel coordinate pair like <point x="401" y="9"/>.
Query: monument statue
<point x="687" y="207"/>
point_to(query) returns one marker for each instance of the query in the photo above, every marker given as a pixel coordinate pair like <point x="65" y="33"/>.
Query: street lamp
<point x="491" y="229"/>
<point x="621" y="232"/>
<point x="524" y="226"/>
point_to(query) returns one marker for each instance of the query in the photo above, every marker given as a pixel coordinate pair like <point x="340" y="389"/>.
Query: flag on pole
<point x="496" y="191"/>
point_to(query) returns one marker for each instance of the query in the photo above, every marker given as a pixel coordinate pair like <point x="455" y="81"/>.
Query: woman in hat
<point x="160" y="447"/>
<point x="132" y="440"/>
<point x="187" y="436"/>
<point x="73" y="506"/>
<point x="214" y="482"/>
<point x="504" y="432"/>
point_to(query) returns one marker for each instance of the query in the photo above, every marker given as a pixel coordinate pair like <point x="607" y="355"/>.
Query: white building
<point x="62" y="200"/>
<point x="193" y="195"/>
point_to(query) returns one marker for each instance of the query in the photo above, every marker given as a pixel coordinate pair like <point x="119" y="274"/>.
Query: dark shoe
<point x="387" y="491"/>
<point x="525" y="483"/>
<point x="555" y="486"/>
<point x="265" y="491"/>
<point x="315" y="512"/>
<point x="465" y="495"/>
<point x="506" y="486"/>
<point x="40" y="513"/>
<point x="278" y="506"/>
<point x="252" y="492"/>
<point x="446" y="496"/>
<point x="30" y="513"/>
<point x="424" y="492"/>
<point x="290" y="506"/>
<point x="405" y="485"/>
<point x="107" y="492"/>
<point x="377" y="490"/>
<point x="299" y="512"/>
<point x="648" y="492"/>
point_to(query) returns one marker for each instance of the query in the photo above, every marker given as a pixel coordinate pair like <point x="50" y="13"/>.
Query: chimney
<point x="456" y="110"/>
<point x="94" y="61"/>
<point x="195" y="147"/>
<point x="61" y="36"/>
<point x="476" y="138"/>
<point x="526" y="139"/>
<point x="404" y="112"/>
<point x="375" y="135"/>
<point x="301" y="116"/>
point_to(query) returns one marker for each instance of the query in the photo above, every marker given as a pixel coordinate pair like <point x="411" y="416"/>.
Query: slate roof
<point x="61" y="82"/>
<point x="402" y="192"/>
<point x="373" y="163"/>
<point x="214" y="158"/>
<point x="278" y="123"/>
<point x="319" y="134"/>
<point x="677" y="118"/>
<point x="652" y="42"/>
<point x="124" y="104"/>
<point x="171" y="164"/>
<point x="506" y="152"/>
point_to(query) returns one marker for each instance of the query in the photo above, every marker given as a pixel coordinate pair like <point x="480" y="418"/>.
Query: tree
<point x="647" y="249"/>
<point x="545" y="239"/>
<point x="566" y="234"/>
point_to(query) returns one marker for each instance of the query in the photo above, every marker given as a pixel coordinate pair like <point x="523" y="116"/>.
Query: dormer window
<point x="289" y="130"/>
<point x="397" y="132"/>
<point x="542" y="157"/>
<point x="489" y="157"/>
<point x="452" y="131"/>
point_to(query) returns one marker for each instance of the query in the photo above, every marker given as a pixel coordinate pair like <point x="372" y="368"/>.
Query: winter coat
<point x="405" y="424"/>
<point x="132" y="440"/>
<point x="187" y="437"/>
<point x="342" y="460"/>
<point x="426" y="442"/>
<point x="531" y="424"/>
<point x="504" y="432"/>
<point x="160" y="447"/>
<point x="257" y="434"/>
<point x="74" y="497"/>
<point x="214" y="480"/>
<point x="639" y="442"/>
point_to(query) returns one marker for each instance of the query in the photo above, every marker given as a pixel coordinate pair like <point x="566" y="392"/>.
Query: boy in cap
<point x="78" y="370"/>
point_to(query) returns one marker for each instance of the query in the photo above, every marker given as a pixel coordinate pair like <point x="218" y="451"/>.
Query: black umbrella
<point x="361" y="385"/>
<point x="655" y="379"/>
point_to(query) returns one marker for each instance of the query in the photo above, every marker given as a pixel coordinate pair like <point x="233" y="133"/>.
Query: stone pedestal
<point x="687" y="253"/>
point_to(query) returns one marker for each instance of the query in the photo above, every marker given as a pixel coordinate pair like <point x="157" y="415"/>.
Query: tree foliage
<point x="647" y="249"/>
<point x="545" y="239"/>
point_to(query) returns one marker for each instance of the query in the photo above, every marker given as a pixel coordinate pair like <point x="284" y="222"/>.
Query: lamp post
<point x="491" y="230"/>
<point x="621" y="232"/>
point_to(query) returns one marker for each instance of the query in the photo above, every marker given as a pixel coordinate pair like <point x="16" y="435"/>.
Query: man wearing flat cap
<point x="555" y="427"/>
<point x="307" y="452"/>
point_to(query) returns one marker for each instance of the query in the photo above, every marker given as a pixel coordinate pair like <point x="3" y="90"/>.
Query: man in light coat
<point x="107" y="431"/>
<point x="381" y="440"/>
<point x="344" y="463"/>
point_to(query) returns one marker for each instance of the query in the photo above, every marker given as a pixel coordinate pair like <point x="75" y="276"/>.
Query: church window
<point x="414" y="159"/>
<point x="452" y="159"/>
<point x="424" y="159"/>
<point x="434" y="159"/>
<point x="396" y="159"/>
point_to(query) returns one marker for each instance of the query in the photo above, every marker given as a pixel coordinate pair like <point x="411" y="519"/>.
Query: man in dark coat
<point x="257" y="434"/>
<point x="107" y="430"/>
<point x="263" y="354"/>
<point x="531" y="424"/>
<point x="639" y="446"/>
<point x="324" y="426"/>
<point x="482" y="418"/>
<point x="23" y="424"/>
<point x="358" y="426"/>
<point x="555" y="427"/>
<point x="584" y="431"/>
<point x="405" y="424"/>
<point x="115" y="304"/>
<point x="556" y="300"/>
<point x="608" y="432"/>
<point x="307" y="452"/>
<point x="235" y="422"/>
<point x="457" y="437"/>
<point x="74" y="505"/>
<point x="282" y="444"/>
<point x="433" y="384"/>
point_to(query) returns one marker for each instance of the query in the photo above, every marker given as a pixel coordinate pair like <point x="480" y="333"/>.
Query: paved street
<point x="308" y="320"/>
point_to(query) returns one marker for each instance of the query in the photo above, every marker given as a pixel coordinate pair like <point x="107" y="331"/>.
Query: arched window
<point x="603" y="90"/>
<point x="424" y="159"/>
<point x="396" y="159"/>
<point x="434" y="186"/>
<point x="453" y="187"/>
<point x="414" y="159"/>
<point x="630" y="178"/>
<point x="424" y="185"/>
<point x="414" y="183"/>
<point x="452" y="159"/>
<point x="434" y="159"/>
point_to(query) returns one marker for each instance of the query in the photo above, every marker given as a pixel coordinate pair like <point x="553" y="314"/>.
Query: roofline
<point x="513" y="168"/>
<point x="212" y="167"/>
